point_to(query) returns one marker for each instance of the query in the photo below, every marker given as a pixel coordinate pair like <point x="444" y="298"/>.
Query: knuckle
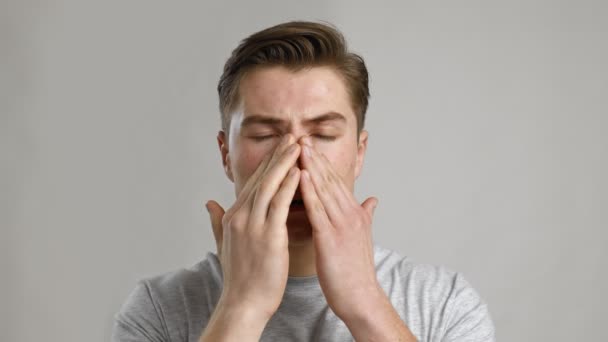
<point x="328" y="178"/>
<point x="362" y="220"/>
<point x="226" y="220"/>
<point x="318" y="207"/>
<point x="264" y="184"/>
<point x="272" y="159"/>
<point x="275" y="204"/>
<point x="323" y="187"/>
<point x="238" y="220"/>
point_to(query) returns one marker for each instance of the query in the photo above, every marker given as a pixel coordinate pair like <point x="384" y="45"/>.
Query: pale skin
<point x="295" y="135"/>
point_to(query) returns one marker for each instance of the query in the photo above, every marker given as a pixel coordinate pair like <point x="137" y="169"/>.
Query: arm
<point x="468" y="315"/>
<point x="344" y="252"/>
<point x="234" y="323"/>
<point x="252" y="245"/>
<point x="139" y="318"/>
<point x="378" y="321"/>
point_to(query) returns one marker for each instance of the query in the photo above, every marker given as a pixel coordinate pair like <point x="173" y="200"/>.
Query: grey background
<point x="488" y="150"/>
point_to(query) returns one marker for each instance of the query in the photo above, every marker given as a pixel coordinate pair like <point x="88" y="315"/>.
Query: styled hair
<point x="295" y="45"/>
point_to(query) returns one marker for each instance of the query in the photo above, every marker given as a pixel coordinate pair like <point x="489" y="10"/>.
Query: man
<point x="295" y="258"/>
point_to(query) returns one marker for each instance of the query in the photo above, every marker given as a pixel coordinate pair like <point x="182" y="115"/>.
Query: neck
<point x="302" y="259"/>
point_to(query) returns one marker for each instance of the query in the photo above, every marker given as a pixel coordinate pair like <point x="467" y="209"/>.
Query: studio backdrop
<point x="488" y="150"/>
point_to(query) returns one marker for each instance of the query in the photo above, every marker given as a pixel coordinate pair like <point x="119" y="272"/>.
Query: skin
<point x="295" y="134"/>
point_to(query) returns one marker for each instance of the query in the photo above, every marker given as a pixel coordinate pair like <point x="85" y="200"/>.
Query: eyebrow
<point x="271" y="121"/>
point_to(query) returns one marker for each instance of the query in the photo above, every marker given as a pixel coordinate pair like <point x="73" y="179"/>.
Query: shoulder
<point x="435" y="283"/>
<point x="205" y="276"/>
<point x="441" y="300"/>
<point x="149" y="309"/>
<point x="394" y="265"/>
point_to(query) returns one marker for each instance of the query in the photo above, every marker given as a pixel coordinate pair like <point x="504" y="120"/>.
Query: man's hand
<point x="344" y="252"/>
<point x="341" y="232"/>
<point x="252" y="244"/>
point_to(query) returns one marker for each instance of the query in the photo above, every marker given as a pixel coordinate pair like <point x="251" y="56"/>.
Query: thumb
<point x="370" y="205"/>
<point x="216" y="213"/>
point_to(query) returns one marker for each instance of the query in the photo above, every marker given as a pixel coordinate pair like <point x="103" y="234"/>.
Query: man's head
<point x="295" y="78"/>
<point x="295" y="46"/>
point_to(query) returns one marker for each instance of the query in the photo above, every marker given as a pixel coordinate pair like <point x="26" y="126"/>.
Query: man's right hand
<point x="251" y="237"/>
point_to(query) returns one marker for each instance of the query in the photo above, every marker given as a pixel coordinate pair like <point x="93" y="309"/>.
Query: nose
<point x="298" y="134"/>
<point x="298" y="137"/>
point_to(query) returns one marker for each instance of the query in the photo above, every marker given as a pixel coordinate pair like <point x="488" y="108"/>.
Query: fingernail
<point x="306" y="140"/>
<point x="292" y="148"/>
<point x="207" y="206"/>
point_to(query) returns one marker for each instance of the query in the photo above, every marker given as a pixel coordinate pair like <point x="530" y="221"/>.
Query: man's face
<point x="276" y="101"/>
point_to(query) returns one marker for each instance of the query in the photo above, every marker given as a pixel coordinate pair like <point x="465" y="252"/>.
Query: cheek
<point x="247" y="159"/>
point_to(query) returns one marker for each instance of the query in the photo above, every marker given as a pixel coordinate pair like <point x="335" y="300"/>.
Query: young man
<point x="295" y="258"/>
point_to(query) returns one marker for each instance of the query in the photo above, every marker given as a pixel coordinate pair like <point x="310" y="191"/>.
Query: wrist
<point x="377" y="320"/>
<point x="366" y="307"/>
<point x="233" y="321"/>
<point x="243" y="312"/>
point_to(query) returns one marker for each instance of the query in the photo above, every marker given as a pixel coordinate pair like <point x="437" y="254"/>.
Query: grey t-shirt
<point x="436" y="304"/>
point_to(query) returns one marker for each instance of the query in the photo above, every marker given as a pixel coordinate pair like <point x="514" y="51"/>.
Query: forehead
<point x="306" y="92"/>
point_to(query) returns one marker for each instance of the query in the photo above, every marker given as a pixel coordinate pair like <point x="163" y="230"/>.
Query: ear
<point x="222" y="142"/>
<point x="361" y="149"/>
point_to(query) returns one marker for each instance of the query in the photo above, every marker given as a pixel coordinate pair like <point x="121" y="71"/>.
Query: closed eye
<point x="324" y="137"/>
<point x="270" y="136"/>
<point x="263" y="137"/>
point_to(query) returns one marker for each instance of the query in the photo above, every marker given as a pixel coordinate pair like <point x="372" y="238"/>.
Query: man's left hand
<point x="342" y="236"/>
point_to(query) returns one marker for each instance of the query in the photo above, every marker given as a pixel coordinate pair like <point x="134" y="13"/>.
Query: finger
<point x="252" y="182"/>
<point x="370" y="205"/>
<point x="271" y="182"/>
<point x="314" y="208"/>
<point x="284" y="144"/>
<point x="270" y="159"/>
<point x="327" y="183"/>
<point x="343" y="194"/>
<point x="216" y="213"/>
<point x="278" y="210"/>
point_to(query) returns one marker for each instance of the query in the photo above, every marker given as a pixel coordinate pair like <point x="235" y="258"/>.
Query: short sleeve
<point x="139" y="319"/>
<point x="469" y="319"/>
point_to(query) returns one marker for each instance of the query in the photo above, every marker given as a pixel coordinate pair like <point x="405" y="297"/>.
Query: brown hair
<point x="295" y="45"/>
